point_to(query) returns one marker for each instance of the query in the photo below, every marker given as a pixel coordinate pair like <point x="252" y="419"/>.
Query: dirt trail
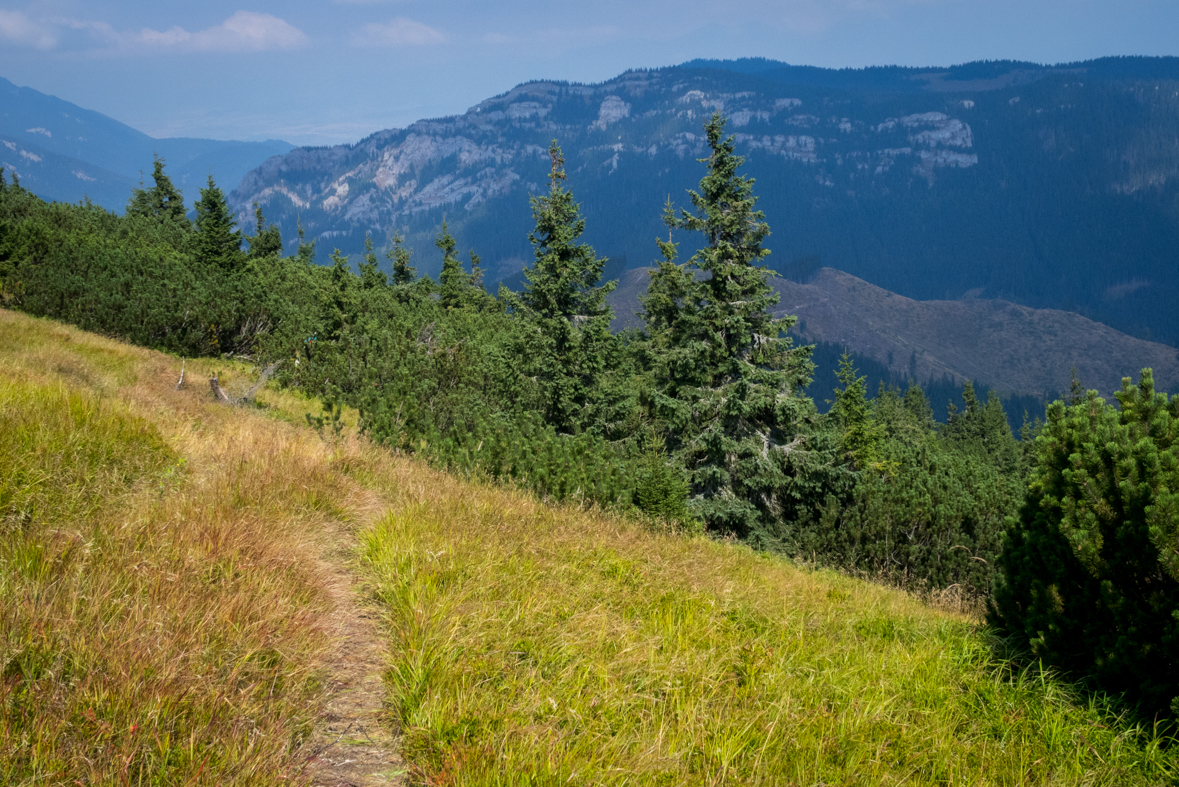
<point x="353" y="743"/>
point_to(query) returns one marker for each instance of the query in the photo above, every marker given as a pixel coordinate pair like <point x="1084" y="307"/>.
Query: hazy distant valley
<point x="66" y="153"/>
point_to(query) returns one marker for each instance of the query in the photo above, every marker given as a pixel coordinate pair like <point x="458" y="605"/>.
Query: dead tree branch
<point x="250" y="393"/>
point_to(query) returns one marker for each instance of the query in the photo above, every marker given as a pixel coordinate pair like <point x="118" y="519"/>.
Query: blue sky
<point x="328" y="71"/>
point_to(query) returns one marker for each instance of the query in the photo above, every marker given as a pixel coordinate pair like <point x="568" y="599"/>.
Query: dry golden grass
<point x="164" y="624"/>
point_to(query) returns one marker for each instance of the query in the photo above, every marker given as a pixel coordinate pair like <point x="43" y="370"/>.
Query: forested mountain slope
<point x="64" y="152"/>
<point x="999" y="344"/>
<point x="1051" y="187"/>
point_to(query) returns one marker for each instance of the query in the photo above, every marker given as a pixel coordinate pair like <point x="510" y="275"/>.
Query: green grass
<point x="534" y="646"/>
<point x="65" y="451"/>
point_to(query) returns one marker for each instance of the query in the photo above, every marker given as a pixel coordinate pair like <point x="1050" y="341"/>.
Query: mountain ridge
<point x="51" y="127"/>
<point x="1004" y="346"/>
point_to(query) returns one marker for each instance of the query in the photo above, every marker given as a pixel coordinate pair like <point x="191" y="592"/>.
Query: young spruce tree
<point x="163" y="201"/>
<point x="566" y="305"/>
<point x="456" y="287"/>
<point x="728" y="384"/>
<point x="218" y="242"/>
<point x="267" y="240"/>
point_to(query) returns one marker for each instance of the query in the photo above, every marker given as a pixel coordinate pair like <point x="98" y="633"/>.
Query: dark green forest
<point x="703" y="419"/>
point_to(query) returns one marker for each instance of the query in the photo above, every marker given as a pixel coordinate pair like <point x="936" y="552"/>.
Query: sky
<point x="318" y="72"/>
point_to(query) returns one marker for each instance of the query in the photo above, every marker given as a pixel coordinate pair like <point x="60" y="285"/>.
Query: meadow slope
<point x="175" y="587"/>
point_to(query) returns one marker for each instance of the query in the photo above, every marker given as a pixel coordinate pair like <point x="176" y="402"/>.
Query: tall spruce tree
<point x="453" y="281"/>
<point x="860" y="436"/>
<point x="217" y="241"/>
<point x="457" y="288"/>
<point x="371" y="275"/>
<point x="565" y="303"/>
<point x="982" y="429"/>
<point x="399" y="257"/>
<point x="728" y="383"/>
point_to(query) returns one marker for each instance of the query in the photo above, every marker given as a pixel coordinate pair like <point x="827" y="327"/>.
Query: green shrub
<point x="1088" y="579"/>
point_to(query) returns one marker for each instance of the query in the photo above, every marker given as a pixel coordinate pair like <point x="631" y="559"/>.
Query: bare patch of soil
<point x="354" y="745"/>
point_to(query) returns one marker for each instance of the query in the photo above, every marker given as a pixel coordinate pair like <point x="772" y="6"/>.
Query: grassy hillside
<point x="163" y="597"/>
<point x="167" y="616"/>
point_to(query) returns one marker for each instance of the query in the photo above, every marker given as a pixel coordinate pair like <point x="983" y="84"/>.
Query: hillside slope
<point x="176" y="586"/>
<point x="1002" y="345"/>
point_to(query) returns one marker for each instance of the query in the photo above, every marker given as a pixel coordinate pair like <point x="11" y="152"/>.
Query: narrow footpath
<point x="353" y="745"/>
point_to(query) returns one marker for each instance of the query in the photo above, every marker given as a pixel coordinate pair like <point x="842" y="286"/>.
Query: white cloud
<point x="19" y="29"/>
<point x="398" y="32"/>
<point x="245" y="31"/>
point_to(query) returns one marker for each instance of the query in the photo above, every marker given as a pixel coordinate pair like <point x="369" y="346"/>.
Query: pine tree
<point x="453" y="282"/>
<point x="1089" y="575"/>
<point x="859" y="436"/>
<point x="217" y="241"/>
<point x="983" y="430"/>
<point x="306" y="251"/>
<point x="729" y="385"/>
<point x="565" y="303"/>
<point x="267" y="240"/>
<point x="163" y="201"/>
<point x="457" y="288"/>
<point x="399" y="257"/>
<point x="344" y="308"/>
<point x="371" y="275"/>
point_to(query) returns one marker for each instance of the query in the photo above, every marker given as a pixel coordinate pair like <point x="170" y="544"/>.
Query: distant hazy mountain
<point x="81" y="152"/>
<point x="1054" y="187"/>
<point x="1001" y="345"/>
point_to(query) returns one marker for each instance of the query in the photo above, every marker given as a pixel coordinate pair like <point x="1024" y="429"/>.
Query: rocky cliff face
<point x="499" y="147"/>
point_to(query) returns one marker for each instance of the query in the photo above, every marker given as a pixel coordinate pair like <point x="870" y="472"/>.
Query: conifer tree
<point x="371" y="275"/>
<point x="306" y="251"/>
<point x="565" y="303"/>
<point x="399" y="257"/>
<point x="344" y="308"/>
<point x="1089" y="576"/>
<point x="729" y="385"/>
<point x="982" y="430"/>
<point x="163" y="201"/>
<point x="217" y="241"/>
<point x="457" y="288"/>
<point x="453" y="282"/>
<point x="859" y="437"/>
<point x="267" y="239"/>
